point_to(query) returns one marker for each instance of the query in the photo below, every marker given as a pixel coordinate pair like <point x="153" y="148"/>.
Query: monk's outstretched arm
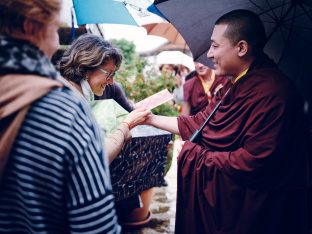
<point x="167" y="123"/>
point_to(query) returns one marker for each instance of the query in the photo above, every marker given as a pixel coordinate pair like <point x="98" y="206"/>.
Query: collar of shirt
<point x="240" y="76"/>
<point x="207" y="85"/>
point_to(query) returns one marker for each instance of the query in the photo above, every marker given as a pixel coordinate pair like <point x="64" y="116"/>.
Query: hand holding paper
<point x="136" y="117"/>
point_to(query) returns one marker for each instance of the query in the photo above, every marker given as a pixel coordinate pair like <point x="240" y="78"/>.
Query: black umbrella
<point x="288" y="26"/>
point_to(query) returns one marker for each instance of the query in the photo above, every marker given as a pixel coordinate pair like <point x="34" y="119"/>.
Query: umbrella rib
<point x="256" y="5"/>
<point x="305" y="10"/>
<point x="287" y="37"/>
<point x="279" y="22"/>
<point x="286" y="20"/>
<point x="299" y="15"/>
<point x="272" y="9"/>
<point x="282" y="11"/>
<point x="137" y="8"/>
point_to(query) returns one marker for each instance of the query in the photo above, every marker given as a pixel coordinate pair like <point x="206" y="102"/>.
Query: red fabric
<point x="195" y="95"/>
<point x="249" y="172"/>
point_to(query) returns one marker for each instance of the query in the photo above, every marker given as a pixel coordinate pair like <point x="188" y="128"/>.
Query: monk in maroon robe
<point x="199" y="90"/>
<point x="247" y="173"/>
<point x="250" y="171"/>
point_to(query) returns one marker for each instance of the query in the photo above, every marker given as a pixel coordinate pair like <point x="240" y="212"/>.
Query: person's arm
<point x="186" y="108"/>
<point x="187" y="92"/>
<point x="116" y="141"/>
<point x="121" y="99"/>
<point x="167" y="123"/>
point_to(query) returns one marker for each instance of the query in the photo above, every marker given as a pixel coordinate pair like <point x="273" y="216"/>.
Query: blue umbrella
<point x="102" y="11"/>
<point x="152" y="8"/>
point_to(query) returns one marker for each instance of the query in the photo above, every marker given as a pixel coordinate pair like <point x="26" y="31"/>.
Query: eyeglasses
<point x="109" y="75"/>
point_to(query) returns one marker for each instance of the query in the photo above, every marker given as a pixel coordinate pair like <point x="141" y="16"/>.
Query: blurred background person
<point x="167" y="70"/>
<point x="200" y="89"/>
<point x="180" y="71"/>
<point x="115" y="91"/>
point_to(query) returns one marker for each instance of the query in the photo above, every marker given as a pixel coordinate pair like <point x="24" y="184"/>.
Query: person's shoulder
<point x="65" y="94"/>
<point x="223" y="79"/>
<point x="65" y="103"/>
<point x="271" y="76"/>
<point x="191" y="75"/>
<point x="118" y="88"/>
<point x="73" y="115"/>
<point x="271" y="82"/>
<point x="191" y="81"/>
<point x="111" y="91"/>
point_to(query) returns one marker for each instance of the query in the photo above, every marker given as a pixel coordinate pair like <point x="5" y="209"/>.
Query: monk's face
<point x="201" y="69"/>
<point x="223" y="53"/>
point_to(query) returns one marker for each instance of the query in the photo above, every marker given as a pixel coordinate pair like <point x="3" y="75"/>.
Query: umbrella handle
<point x="195" y="137"/>
<point x="197" y="134"/>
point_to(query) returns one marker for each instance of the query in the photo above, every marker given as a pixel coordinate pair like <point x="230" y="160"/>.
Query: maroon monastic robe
<point x="195" y="95"/>
<point x="249" y="172"/>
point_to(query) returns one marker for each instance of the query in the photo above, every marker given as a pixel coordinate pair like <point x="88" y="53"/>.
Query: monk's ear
<point x="242" y="48"/>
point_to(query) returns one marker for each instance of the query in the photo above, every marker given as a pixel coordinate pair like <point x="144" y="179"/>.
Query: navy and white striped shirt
<point x="57" y="178"/>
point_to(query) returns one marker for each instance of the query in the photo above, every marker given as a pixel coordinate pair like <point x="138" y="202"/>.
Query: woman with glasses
<point x="89" y="65"/>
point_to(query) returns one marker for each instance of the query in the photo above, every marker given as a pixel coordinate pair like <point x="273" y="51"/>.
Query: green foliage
<point x="127" y="48"/>
<point x="140" y="82"/>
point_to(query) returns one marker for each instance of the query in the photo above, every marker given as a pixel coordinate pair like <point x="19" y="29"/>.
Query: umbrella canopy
<point x="166" y="30"/>
<point x="288" y="26"/>
<point x="176" y="58"/>
<point x="110" y="11"/>
<point x="102" y="11"/>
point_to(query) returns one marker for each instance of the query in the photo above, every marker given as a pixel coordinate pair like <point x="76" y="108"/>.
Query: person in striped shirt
<point x="54" y="175"/>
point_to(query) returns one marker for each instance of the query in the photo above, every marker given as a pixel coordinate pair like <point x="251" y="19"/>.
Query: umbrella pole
<point x="100" y="30"/>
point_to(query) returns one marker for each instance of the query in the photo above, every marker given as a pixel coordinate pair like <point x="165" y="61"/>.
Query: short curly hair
<point x="87" y="53"/>
<point x="14" y="12"/>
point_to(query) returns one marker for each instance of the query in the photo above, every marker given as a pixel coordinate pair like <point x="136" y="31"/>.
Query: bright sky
<point x="138" y="35"/>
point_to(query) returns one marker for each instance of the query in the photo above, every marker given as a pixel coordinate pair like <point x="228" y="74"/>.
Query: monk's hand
<point x="137" y="117"/>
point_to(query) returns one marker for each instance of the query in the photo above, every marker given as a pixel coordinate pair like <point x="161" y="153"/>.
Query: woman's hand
<point x="137" y="117"/>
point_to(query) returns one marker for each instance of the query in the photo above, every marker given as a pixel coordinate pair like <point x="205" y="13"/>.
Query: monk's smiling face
<point x="223" y="53"/>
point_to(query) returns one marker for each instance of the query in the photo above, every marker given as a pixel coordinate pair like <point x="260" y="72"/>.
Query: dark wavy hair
<point x="244" y="25"/>
<point x="87" y="53"/>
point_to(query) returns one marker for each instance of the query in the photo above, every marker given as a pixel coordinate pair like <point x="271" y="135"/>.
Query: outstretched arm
<point x="186" y="108"/>
<point x="167" y="123"/>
